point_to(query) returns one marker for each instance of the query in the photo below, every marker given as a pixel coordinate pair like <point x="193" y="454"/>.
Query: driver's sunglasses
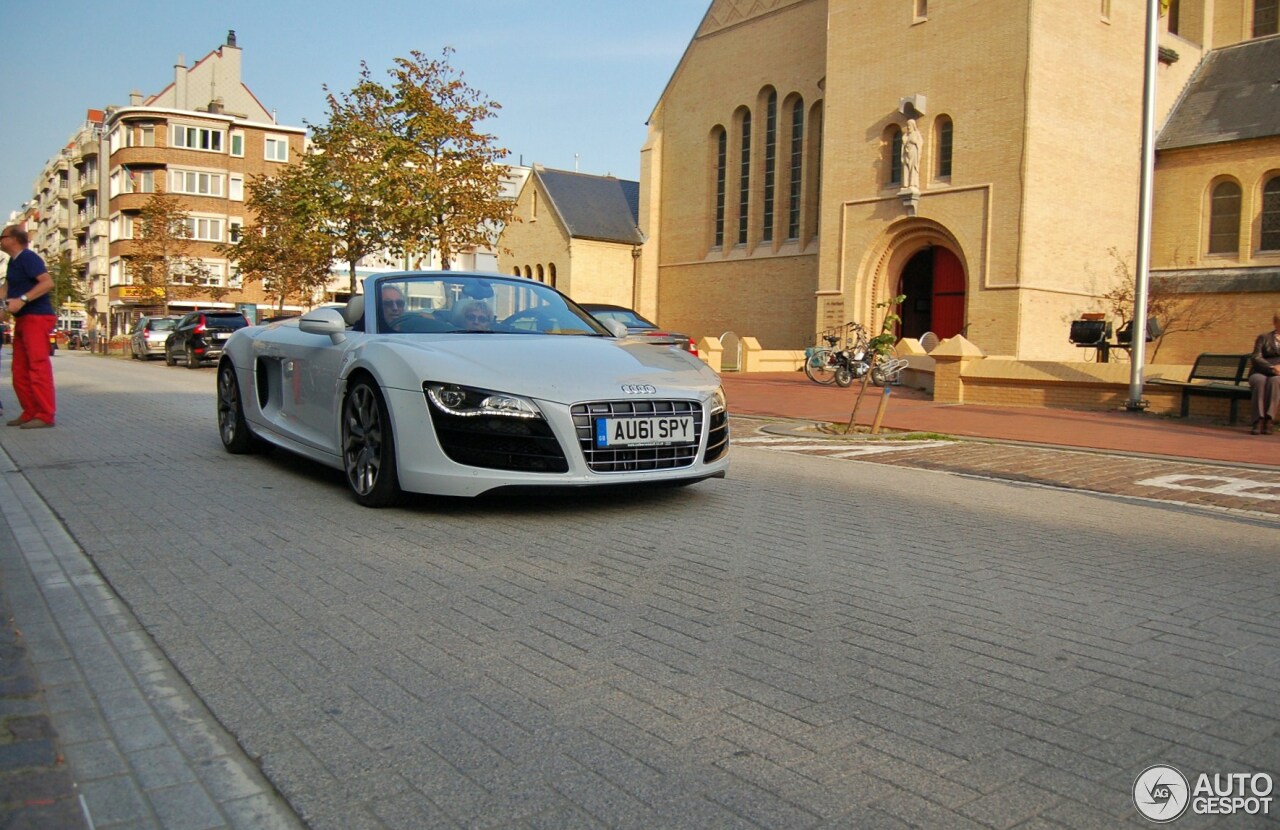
<point x="477" y="318"/>
<point x="393" y="303"/>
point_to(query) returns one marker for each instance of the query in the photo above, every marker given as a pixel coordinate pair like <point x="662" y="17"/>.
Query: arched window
<point x="1265" y="17"/>
<point x="893" y="144"/>
<point x="515" y="271"/>
<point x="1224" y="219"/>
<point x="943" y="130"/>
<point x="744" y="177"/>
<point x="797" y="162"/>
<point x="551" y="275"/>
<point x="721" y="140"/>
<point x="770" y="163"/>
<point x="538" y="272"/>
<point x="1173" y="15"/>
<point x="528" y="273"/>
<point x="1270" y="238"/>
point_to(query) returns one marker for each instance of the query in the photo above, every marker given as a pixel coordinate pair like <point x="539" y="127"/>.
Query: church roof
<point x="594" y="207"/>
<point x="1233" y="95"/>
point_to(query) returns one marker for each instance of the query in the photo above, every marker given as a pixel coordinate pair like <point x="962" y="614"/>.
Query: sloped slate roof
<point x="1234" y="95"/>
<point x="595" y="207"/>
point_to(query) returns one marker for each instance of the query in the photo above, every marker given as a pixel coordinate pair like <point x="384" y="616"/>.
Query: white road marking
<point x="1225" y="486"/>
<point x="834" y="448"/>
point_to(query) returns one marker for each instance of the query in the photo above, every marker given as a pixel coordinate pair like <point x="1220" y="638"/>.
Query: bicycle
<point x="842" y="366"/>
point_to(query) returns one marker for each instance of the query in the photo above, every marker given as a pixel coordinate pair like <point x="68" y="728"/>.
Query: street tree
<point x="444" y="176"/>
<point x="1187" y="313"/>
<point x="284" y="248"/>
<point x="163" y="264"/>
<point x="67" y="284"/>
<point x="345" y="174"/>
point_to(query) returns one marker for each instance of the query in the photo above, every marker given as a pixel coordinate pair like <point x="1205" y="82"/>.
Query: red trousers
<point x="32" y="369"/>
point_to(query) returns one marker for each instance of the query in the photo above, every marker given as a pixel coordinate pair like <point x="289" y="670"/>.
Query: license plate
<point x="221" y="335"/>
<point x="644" y="432"/>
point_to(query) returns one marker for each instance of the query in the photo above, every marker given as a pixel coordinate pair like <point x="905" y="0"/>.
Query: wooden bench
<point x="1215" y="376"/>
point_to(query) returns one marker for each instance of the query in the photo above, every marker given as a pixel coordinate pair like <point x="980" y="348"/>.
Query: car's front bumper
<point x="424" y="466"/>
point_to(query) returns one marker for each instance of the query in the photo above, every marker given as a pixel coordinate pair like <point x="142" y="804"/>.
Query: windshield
<point x="625" y="316"/>
<point x="162" y="325"/>
<point x="468" y="304"/>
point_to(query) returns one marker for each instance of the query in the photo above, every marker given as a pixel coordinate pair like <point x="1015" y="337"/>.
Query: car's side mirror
<point x="616" y="328"/>
<point x="327" y="321"/>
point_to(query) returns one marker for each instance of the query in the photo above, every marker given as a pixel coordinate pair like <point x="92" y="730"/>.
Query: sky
<point x="576" y="79"/>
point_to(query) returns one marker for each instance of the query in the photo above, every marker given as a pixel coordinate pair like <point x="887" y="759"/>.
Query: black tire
<point x="193" y="362"/>
<point x="843" y="376"/>
<point x="232" y="427"/>
<point x="369" y="447"/>
<point x="168" y="357"/>
<point x="819" y="367"/>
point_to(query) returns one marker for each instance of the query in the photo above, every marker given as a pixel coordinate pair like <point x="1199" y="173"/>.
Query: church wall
<point x="760" y="289"/>
<point x="538" y="238"/>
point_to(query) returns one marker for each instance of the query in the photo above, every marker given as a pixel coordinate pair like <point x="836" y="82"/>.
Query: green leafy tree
<point x="444" y="175"/>
<point x="67" y="283"/>
<point x="162" y="263"/>
<point x="283" y="248"/>
<point x="347" y="190"/>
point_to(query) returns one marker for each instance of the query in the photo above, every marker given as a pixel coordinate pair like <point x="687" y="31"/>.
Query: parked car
<point x="200" y="336"/>
<point x="456" y="384"/>
<point x="148" y="337"/>
<point x="640" y="328"/>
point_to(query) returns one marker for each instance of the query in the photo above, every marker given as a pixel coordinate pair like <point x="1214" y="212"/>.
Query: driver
<point x="476" y="316"/>
<point x="393" y="305"/>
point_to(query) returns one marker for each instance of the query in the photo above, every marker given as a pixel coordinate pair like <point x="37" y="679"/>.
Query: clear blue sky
<point x="572" y="76"/>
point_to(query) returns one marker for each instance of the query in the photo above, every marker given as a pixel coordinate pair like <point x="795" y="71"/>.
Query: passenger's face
<point x="478" y="318"/>
<point x="392" y="303"/>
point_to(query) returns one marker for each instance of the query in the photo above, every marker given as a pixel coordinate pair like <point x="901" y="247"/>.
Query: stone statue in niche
<point x="912" y="144"/>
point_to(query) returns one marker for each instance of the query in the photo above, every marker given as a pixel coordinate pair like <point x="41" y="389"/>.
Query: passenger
<point x="1264" y="378"/>
<point x="476" y="316"/>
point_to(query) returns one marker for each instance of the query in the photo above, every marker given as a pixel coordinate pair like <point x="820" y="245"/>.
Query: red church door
<point x="947" y="294"/>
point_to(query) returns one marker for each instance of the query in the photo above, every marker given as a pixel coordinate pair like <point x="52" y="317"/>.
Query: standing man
<point x="33" y="319"/>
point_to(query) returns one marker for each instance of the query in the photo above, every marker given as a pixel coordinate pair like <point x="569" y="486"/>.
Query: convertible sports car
<point x="455" y="384"/>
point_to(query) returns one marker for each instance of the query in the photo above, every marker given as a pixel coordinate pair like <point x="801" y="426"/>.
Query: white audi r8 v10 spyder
<point x="455" y="383"/>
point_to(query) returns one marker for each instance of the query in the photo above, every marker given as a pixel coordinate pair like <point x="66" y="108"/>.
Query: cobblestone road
<point x="811" y="642"/>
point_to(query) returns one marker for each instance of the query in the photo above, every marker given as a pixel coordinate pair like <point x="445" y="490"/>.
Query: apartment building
<point x="203" y="137"/>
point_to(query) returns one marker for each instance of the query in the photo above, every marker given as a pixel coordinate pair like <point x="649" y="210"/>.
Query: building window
<point x="1173" y="14"/>
<point x="1265" y="17"/>
<point x="770" y="163"/>
<point x="144" y="181"/>
<point x="1270" y="240"/>
<point x="722" y="150"/>
<point x="943" y="144"/>
<point x="551" y="275"/>
<point x="146" y="136"/>
<point x="195" y="184"/>
<point x="744" y="179"/>
<point x="893" y="141"/>
<point x="197" y="138"/>
<point x="237" y="143"/>
<point x="277" y="148"/>
<point x="234" y="227"/>
<point x="1224" y="219"/>
<point x="204" y="230"/>
<point x="797" y="162"/>
<point x="235" y="188"/>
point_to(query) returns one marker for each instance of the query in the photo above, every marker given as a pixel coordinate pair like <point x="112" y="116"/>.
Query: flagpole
<point x="1138" y="331"/>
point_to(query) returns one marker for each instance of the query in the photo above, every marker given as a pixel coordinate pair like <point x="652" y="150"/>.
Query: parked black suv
<point x="201" y="335"/>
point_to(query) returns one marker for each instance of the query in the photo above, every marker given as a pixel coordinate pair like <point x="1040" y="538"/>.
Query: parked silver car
<point x="149" y="334"/>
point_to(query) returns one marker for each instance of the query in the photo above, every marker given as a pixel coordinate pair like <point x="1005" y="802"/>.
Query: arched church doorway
<point x="933" y="282"/>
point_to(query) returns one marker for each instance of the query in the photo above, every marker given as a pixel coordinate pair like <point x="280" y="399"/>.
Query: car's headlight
<point x="718" y="403"/>
<point x="466" y="402"/>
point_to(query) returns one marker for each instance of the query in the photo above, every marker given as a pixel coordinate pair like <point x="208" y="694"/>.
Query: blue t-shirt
<point x="22" y="273"/>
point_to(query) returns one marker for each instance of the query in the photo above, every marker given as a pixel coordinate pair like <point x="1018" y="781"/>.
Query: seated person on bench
<point x="1264" y="378"/>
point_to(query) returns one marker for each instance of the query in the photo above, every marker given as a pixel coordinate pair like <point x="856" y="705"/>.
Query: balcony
<point x="140" y="156"/>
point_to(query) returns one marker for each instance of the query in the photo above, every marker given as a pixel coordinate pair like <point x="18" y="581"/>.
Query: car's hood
<point x="560" y="368"/>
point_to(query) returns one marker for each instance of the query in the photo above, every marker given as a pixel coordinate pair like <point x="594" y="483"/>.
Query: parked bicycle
<point x="844" y="362"/>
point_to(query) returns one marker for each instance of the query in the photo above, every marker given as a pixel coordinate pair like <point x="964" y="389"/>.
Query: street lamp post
<point x="1138" y="340"/>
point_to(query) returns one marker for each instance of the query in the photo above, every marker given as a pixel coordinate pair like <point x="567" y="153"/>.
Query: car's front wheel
<point x="232" y="426"/>
<point x="369" y="447"/>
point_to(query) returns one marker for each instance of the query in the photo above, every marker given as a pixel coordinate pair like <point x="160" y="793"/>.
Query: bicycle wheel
<point x="821" y="366"/>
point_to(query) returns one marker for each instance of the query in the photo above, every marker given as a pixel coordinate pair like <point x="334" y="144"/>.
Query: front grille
<point x="639" y="458"/>
<point x="499" y="443"/>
